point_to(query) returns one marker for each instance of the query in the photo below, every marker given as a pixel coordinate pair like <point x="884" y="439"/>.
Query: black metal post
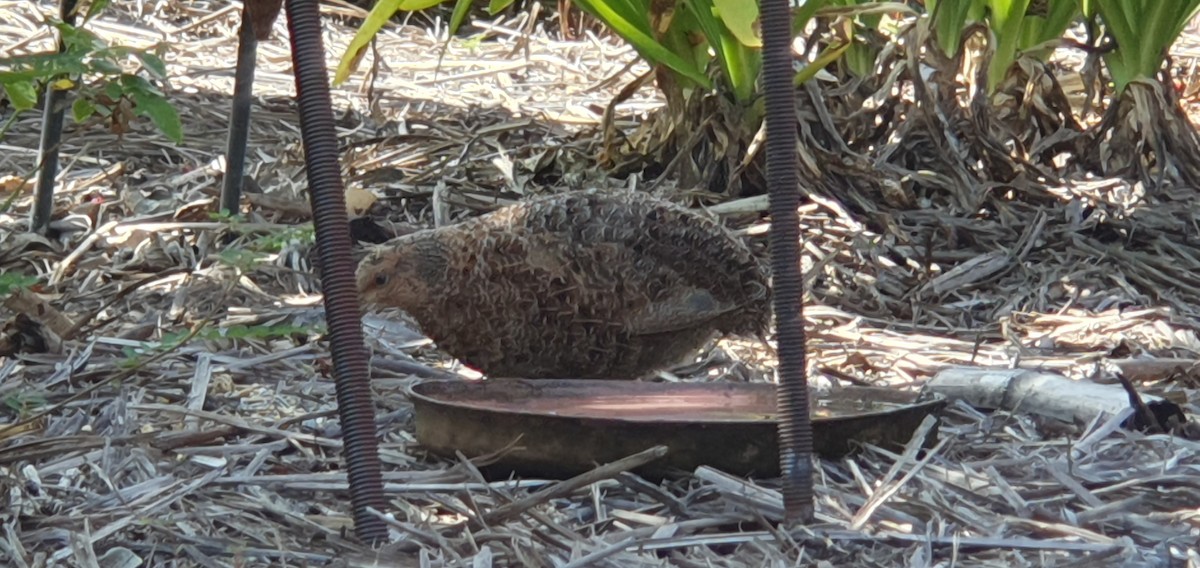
<point x="52" y="124"/>
<point x="239" y="116"/>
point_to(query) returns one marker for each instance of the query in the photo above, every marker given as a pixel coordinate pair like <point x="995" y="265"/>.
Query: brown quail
<point x="580" y="285"/>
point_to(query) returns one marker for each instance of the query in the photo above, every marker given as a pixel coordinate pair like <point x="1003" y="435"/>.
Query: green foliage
<point x="687" y="38"/>
<point x="676" y="47"/>
<point x="22" y="94"/>
<point x="728" y="29"/>
<point x="1018" y="30"/>
<point x="1040" y="28"/>
<point x="1005" y="17"/>
<point x="12" y="281"/>
<point x="97" y="69"/>
<point x="261" y="331"/>
<point x="379" y="15"/>
<point x="950" y="18"/>
<point x="494" y="6"/>
<point x="861" y="15"/>
<point x="95" y="8"/>
<point x="24" y="403"/>
<point x="247" y="256"/>
<point x="240" y="258"/>
<point x="276" y="241"/>
<point x="150" y="102"/>
<point x="689" y="30"/>
<point x="1143" y="31"/>
<point x="226" y="216"/>
<point x="269" y="242"/>
<point x="134" y="356"/>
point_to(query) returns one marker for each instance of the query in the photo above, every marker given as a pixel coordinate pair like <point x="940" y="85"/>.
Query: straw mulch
<point x="187" y="418"/>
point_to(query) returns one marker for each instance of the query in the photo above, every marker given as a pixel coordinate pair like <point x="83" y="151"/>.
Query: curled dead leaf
<point x="11" y="183"/>
<point x="359" y="201"/>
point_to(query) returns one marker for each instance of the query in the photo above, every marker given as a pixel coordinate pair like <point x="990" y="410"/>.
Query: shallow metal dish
<point x="565" y="427"/>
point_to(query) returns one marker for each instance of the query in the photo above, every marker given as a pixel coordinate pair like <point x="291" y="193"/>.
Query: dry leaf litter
<point x="188" y="416"/>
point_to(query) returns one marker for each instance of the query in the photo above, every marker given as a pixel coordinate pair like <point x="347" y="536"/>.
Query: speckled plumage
<point x="580" y="285"/>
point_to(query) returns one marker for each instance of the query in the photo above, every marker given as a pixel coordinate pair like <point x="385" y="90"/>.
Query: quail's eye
<point x="381" y="279"/>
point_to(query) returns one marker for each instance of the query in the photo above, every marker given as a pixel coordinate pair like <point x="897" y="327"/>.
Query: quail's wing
<point x="702" y="270"/>
<point x="686" y="308"/>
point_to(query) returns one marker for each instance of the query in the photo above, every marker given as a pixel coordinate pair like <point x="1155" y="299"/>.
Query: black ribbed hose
<point x="795" y="426"/>
<point x="342" y="314"/>
<point x="52" y="125"/>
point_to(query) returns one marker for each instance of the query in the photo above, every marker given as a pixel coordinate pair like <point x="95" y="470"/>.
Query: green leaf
<point x="495" y="6"/>
<point x="633" y="25"/>
<point x="78" y="40"/>
<point x="1037" y="30"/>
<point x="258" y="331"/>
<point x="1143" y="32"/>
<point x="45" y="66"/>
<point x="114" y="52"/>
<point x="1005" y="17"/>
<point x="802" y="15"/>
<point x="376" y="18"/>
<point x="23" y="402"/>
<point x="828" y="55"/>
<point x="739" y="16"/>
<point x="12" y="281"/>
<point x="22" y="94"/>
<point x="94" y="10"/>
<point x="137" y="84"/>
<point x="860" y="58"/>
<point x="949" y="18"/>
<point x="82" y="109"/>
<point x="113" y="90"/>
<point x="172" y="339"/>
<point x="739" y="63"/>
<point x="105" y="67"/>
<point x="461" y="9"/>
<point x="7" y="77"/>
<point x="1088" y="7"/>
<point x="414" y="5"/>
<point x="153" y="64"/>
<point x="161" y="113"/>
<point x="239" y="258"/>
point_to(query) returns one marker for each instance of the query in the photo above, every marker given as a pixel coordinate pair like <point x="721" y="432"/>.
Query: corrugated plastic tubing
<point x="342" y="314"/>
<point x="795" y="425"/>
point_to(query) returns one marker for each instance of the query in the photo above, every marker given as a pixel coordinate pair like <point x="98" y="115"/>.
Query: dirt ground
<point x="190" y="420"/>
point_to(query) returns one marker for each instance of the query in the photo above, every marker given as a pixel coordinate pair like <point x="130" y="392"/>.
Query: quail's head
<point x="401" y="273"/>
